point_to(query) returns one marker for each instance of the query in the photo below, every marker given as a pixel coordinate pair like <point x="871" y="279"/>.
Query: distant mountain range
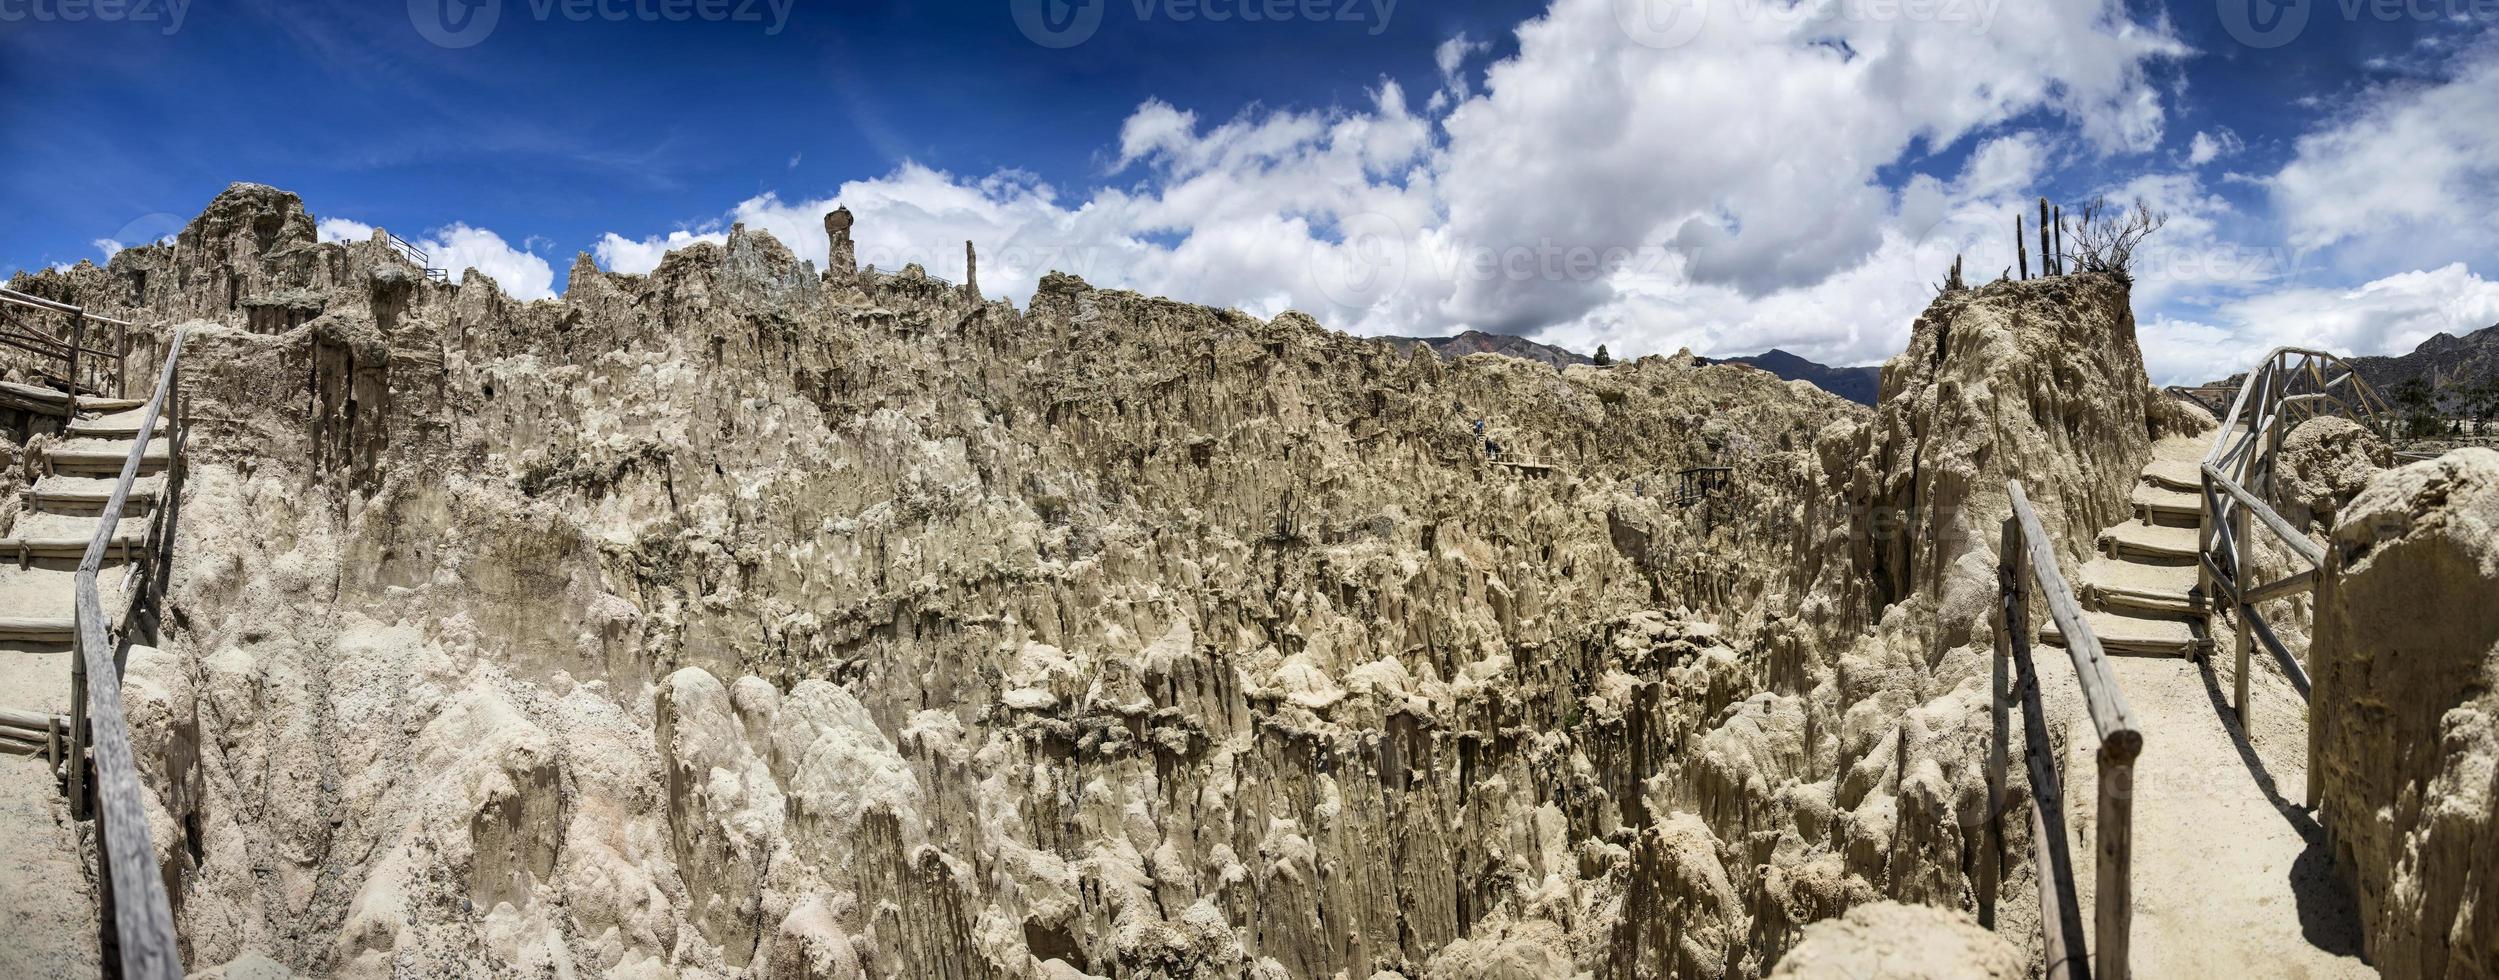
<point x="1479" y="342"/>
<point x="2452" y="367"/>
<point x="1857" y="384"/>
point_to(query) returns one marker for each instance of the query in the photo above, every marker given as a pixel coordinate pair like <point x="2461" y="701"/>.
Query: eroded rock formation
<point x="742" y="620"/>
<point x="2404" y="721"/>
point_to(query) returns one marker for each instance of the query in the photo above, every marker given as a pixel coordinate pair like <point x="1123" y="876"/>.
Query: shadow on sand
<point x="2329" y="917"/>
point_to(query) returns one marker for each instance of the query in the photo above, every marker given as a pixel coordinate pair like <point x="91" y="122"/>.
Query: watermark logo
<point x="1675" y="23"/>
<point x="1067" y="23"/>
<point x="1367" y="264"/>
<point x="459" y="24"/>
<point x="1058" y="24"/>
<point x="455" y="24"/>
<point x="2264" y="23"/>
<point x="169" y="13"/>
<point x="1661" y="23"/>
<point x="2273" y="23"/>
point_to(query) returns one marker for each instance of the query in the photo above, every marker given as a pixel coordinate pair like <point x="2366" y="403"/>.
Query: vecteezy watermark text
<point x="2274" y="23"/>
<point x="1674" y="23"/>
<point x="1068" y="23"/>
<point x="170" y="13"/>
<point x="465" y="23"/>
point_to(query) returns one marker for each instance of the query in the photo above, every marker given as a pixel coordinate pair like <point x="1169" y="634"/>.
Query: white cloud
<point x="2406" y="178"/>
<point x="1735" y="191"/>
<point x="342" y="230"/>
<point x="2391" y="315"/>
<point x="457" y="248"/>
<point x="616" y="253"/>
<point x="2211" y="145"/>
<point x="522" y="275"/>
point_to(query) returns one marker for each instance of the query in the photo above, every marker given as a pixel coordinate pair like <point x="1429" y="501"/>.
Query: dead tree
<point x="2105" y="237"/>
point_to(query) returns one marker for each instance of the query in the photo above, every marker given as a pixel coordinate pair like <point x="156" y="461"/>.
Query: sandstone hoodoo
<point x="750" y="618"/>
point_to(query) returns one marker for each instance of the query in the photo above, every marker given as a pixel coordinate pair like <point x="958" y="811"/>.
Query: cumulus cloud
<point x="1739" y="188"/>
<point x="2391" y="315"/>
<point x="2211" y="145"/>
<point x="616" y="253"/>
<point x="457" y="247"/>
<point x="2406" y="177"/>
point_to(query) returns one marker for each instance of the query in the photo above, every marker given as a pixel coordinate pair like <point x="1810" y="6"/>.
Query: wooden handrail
<point x="68" y="351"/>
<point x="56" y="306"/>
<point x="131" y="883"/>
<point x="2308" y="549"/>
<point x="2291" y="383"/>
<point x="2026" y="555"/>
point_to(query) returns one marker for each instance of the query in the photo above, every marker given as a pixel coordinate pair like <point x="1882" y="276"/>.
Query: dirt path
<point x="2231" y="876"/>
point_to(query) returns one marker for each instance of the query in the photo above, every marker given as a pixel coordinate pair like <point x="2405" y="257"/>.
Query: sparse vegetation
<point x="2105" y="237"/>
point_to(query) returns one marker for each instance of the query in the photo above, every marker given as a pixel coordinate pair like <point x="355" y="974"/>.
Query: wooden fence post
<point x="2115" y="913"/>
<point x="1991" y="854"/>
<point x="77" y="339"/>
<point x="77" y="733"/>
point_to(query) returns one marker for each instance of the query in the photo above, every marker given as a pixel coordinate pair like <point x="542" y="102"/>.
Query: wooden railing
<point x="2291" y="386"/>
<point x="409" y="251"/>
<point x="2028" y="553"/>
<point x="130" y="887"/>
<point x="72" y="352"/>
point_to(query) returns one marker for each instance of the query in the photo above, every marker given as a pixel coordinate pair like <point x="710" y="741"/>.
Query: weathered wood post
<point x="2242" y="547"/>
<point x="2021" y="250"/>
<point x="77" y="339"/>
<point x="2116" y="913"/>
<point x="1991" y="854"/>
<point x="77" y="732"/>
<point x="2205" y="561"/>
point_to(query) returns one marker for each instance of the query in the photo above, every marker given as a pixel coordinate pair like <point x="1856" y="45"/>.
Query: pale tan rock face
<point x="1891" y="941"/>
<point x="2323" y="463"/>
<point x="2404" y="723"/>
<point x="738" y="621"/>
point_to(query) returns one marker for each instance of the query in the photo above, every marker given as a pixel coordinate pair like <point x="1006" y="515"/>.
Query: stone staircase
<point x="2139" y="596"/>
<point x="48" y="902"/>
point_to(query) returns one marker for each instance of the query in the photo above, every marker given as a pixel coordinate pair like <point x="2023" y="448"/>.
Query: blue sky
<point x="1725" y="175"/>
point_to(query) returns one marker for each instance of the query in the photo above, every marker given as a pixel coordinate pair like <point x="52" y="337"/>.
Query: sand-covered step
<point x="100" y="456"/>
<point x="47" y="909"/>
<point x="2122" y="635"/>
<point x="67" y="536"/>
<point x="2185" y="475"/>
<point x="2138" y="589"/>
<point x="100" y="403"/>
<point x="59" y="494"/>
<point x="2150" y="542"/>
<point x="2166" y="506"/>
<point x="34" y="398"/>
<point x="118" y="425"/>
<point x="34" y="674"/>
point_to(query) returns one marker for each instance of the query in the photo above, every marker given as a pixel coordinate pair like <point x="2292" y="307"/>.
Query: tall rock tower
<point x="844" y="260"/>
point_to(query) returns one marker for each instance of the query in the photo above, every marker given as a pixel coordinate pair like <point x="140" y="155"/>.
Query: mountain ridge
<point x="1857" y="384"/>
